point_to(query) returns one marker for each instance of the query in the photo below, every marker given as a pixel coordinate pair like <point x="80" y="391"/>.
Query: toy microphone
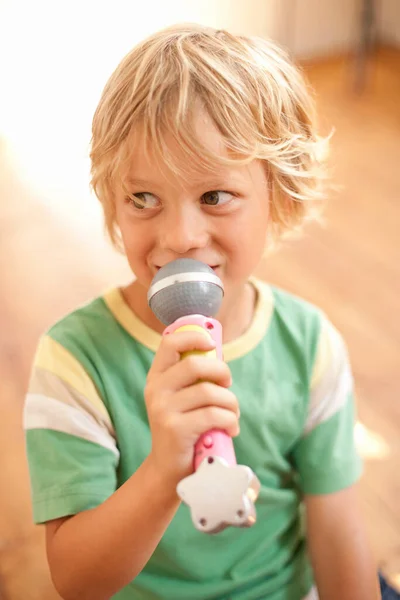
<point x="184" y="295"/>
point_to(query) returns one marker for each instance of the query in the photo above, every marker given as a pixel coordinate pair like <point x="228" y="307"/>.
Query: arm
<point x="338" y="546"/>
<point x="95" y="553"/>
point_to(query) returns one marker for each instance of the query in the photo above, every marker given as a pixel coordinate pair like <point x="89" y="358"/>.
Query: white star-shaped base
<point x="220" y="495"/>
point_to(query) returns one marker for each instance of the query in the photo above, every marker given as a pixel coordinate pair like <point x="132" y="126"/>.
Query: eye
<point x="143" y="200"/>
<point x="216" y="198"/>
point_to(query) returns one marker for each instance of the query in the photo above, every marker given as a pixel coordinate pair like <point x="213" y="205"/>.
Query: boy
<point x="204" y="146"/>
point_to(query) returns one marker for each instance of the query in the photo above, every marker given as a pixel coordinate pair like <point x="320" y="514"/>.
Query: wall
<point x="389" y="22"/>
<point x="314" y="28"/>
<point x="58" y="55"/>
<point x="323" y="27"/>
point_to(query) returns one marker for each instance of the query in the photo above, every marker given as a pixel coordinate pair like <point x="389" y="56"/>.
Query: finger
<point x="194" y="369"/>
<point x="201" y="395"/>
<point x="211" y="417"/>
<point x="175" y="344"/>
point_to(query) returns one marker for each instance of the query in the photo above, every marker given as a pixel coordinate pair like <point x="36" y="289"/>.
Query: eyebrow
<point x="213" y="183"/>
<point x="138" y="181"/>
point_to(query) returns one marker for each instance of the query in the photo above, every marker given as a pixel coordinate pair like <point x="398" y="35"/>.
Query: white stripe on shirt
<point x="332" y="381"/>
<point x="43" y="412"/>
<point x="312" y="594"/>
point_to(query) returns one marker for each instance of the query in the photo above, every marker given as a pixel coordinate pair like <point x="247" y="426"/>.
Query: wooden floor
<point x="351" y="268"/>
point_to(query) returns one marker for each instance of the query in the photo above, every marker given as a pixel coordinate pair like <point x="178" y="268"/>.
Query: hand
<point x="185" y="398"/>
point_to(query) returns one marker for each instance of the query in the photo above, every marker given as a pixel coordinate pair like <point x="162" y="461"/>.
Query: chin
<point x="218" y="271"/>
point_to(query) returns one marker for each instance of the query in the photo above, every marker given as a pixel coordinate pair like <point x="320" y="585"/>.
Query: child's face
<point x="218" y="218"/>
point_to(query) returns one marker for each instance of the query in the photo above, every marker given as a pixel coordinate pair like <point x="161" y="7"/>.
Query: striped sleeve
<point x="326" y="456"/>
<point x="70" y="439"/>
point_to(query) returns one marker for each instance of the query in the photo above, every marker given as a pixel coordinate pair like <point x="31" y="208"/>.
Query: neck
<point x="235" y="315"/>
<point x="237" y="312"/>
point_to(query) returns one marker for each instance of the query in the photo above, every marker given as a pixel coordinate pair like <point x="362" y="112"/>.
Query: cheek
<point x="248" y="235"/>
<point x="136" y="237"/>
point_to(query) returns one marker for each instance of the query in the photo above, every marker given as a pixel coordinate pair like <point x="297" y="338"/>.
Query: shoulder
<point x="307" y="318"/>
<point x="305" y="329"/>
<point x="85" y="322"/>
<point x="295" y="310"/>
<point x="90" y="333"/>
<point x="73" y="348"/>
<point x="294" y="322"/>
<point x="68" y="422"/>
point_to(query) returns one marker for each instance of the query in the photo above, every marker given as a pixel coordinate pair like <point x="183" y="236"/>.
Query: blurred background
<point x="55" y="58"/>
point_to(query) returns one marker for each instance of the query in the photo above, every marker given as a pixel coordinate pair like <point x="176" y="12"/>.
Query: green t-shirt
<point x="87" y="432"/>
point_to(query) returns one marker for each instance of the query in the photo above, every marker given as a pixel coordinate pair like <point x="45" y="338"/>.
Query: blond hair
<point x="253" y="93"/>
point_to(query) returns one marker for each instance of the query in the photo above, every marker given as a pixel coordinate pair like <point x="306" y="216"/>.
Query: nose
<point x="183" y="228"/>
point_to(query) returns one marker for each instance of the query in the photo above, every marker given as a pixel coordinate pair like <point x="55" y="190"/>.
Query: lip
<point x="213" y="267"/>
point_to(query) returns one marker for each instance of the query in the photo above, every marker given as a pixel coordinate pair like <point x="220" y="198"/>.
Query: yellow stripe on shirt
<point x="53" y="357"/>
<point x="47" y="384"/>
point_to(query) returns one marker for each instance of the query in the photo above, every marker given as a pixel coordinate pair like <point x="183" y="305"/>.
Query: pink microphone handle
<point x="214" y="442"/>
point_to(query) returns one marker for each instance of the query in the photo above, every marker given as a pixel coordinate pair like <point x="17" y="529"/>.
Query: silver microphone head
<point x="185" y="287"/>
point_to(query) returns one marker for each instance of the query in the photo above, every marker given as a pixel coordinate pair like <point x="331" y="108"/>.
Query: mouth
<point x="213" y="267"/>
